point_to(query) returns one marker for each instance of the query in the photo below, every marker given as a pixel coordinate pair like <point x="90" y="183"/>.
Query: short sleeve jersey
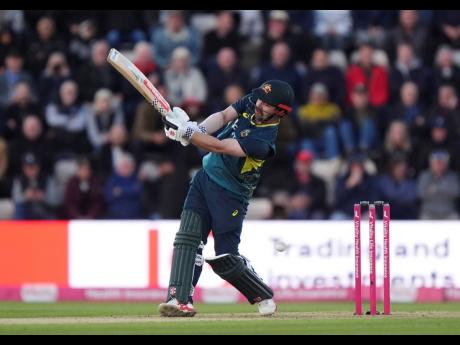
<point x="241" y="174"/>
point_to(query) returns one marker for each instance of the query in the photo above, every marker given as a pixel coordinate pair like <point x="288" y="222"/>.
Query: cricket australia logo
<point x="245" y="133"/>
<point x="267" y="88"/>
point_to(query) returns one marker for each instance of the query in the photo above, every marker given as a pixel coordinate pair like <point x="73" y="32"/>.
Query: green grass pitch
<point x="298" y="318"/>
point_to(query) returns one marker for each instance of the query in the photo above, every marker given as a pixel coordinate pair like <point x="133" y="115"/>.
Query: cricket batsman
<point x="219" y="193"/>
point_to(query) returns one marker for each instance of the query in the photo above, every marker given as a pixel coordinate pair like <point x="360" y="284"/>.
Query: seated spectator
<point x="409" y="68"/>
<point x="85" y="35"/>
<point x="143" y="58"/>
<point x="9" y="42"/>
<point x="333" y="28"/>
<point x="186" y="85"/>
<point x="57" y="71"/>
<point x="225" y="35"/>
<point x="280" y="29"/>
<point x="97" y="74"/>
<point x="447" y="106"/>
<point x="280" y="67"/>
<point x="448" y="25"/>
<point x="446" y="72"/>
<point x="411" y="30"/>
<point x="45" y="41"/>
<point x="438" y="189"/>
<point x="222" y="72"/>
<point x="322" y="71"/>
<point x="397" y="188"/>
<point x="318" y="120"/>
<point x="124" y="27"/>
<point x="83" y="195"/>
<point x="372" y="26"/>
<point x="31" y="140"/>
<point x="358" y="129"/>
<point x="31" y="191"/>
<point x="175" y="33"/>
<point x="67" y="120"/>
<point x="374" y="77"/>
<point x="352" y="187"/>
<point x="104" y="115"/>
<point x="123" y="190"/>
<point x="308" y="193"/>
<point x="11" y="76"/>
<point x="22" y="104"/>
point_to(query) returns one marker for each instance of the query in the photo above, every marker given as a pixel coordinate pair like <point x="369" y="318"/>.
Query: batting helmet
<point x="277" y="93"/>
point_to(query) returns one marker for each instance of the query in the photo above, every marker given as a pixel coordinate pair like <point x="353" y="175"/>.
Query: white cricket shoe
<point x="267" y="307"/>
<point x="173" y="308"/>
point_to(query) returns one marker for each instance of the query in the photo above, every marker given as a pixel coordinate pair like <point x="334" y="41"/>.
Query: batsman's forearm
<point x="214" y="122"/>
<point x="207" y="142"/>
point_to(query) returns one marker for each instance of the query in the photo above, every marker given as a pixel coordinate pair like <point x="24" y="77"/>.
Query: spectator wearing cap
<point x="186" y="84"/>
<point x="438" y="188"/>
<point x="353" y="186"/>
<point x="83" y="194"/>
<point x="397" y="187"/>
<point x="374" y="77"/>
<point x="279" y="29"/>
<point x="173" y="34"/>
<point x="222" y="72"/>
<point x="225" y="35"/>
<point x="31" y="191"/>
<point x="408" y="67"/>
<point x="321" y="71"/>
<point x="358" y="129"/>
<point x="445" y="71"/>
<point x="334" y="28"/>
<point x="318" y="120"/>
<point x="11" y="76"/>
<point x="105" y="114"/>
<point x="308" y="192"/>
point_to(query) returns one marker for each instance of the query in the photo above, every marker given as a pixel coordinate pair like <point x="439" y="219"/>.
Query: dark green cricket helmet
<point x="277" y="93"/>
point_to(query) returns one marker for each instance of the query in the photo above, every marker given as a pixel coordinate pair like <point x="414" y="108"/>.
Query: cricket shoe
<point x="267" y="307"/>
<point x="173" y="308"/>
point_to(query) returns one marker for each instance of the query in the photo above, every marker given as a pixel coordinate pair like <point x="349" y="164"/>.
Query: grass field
<point x="299" y="318"/>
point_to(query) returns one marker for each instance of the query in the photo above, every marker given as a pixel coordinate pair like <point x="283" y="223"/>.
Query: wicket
<point x="372" y="250"/>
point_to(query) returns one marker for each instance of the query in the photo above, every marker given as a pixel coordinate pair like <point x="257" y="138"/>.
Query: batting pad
<point x="238" y="272"/>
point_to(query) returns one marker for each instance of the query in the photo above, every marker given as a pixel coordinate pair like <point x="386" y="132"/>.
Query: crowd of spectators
<point x="376" y="117"/>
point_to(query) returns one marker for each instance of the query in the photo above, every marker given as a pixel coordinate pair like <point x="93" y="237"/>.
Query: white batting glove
<point x="179" y="128"/>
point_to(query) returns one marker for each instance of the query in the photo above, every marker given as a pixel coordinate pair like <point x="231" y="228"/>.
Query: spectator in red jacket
<point x="366" y="72"/>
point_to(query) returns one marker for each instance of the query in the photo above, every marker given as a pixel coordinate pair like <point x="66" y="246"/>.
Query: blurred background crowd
<point x="376" y="117"/>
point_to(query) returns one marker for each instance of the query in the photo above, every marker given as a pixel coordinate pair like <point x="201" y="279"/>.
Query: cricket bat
<point x="137" y="79"/>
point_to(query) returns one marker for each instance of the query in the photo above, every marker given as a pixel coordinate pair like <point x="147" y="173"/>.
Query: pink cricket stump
<point x="386" y="259"/>
<point x="372" y="275"/>
<point x="358" y="301"/>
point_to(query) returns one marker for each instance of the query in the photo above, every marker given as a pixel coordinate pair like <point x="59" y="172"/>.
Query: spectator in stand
<point x="372" y="26"/>
<point x="438" y="189"/>
<point x="124" y="27"/>
<point x="123" y="190"/>
<point x="321" y="71"/>
<point x="308" y="193"/>
<point x="9" y="42"/>
<point x="409" y="68"/>
<point x="83" y="194"/>
<point x="173" y="34"/>
<point x="359" y="130"/>
<point x="186" y="85"/>
<point x="31" y="191"/>
<point x="57" y="71"/>
<point x="399" y="189"/>
<point x="143" y="58"/>
<point x="353" y="186"/>
<point x="85" y="35"/>
<point x="31" y="140"/>
<point x="97" y="74"/>
<point x="21" y="105"/>
<point x="67" y="120"/>
<point x="334" y="28"/>
<point x="374" y="77"/>
<point x="225" y="35"/>
<point x="279" y="29"/>
<point x="45" y="41"/>
<point x="410" y="30"/>
<point x="280" y="67"/>
<point x="222" y="72"/>
<point x="446" y="72"/>
<point x="104" y="115"/>
<point x="318" y="120"/>
<point x="448" y="25"/>
<point x="12" y="75"/>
